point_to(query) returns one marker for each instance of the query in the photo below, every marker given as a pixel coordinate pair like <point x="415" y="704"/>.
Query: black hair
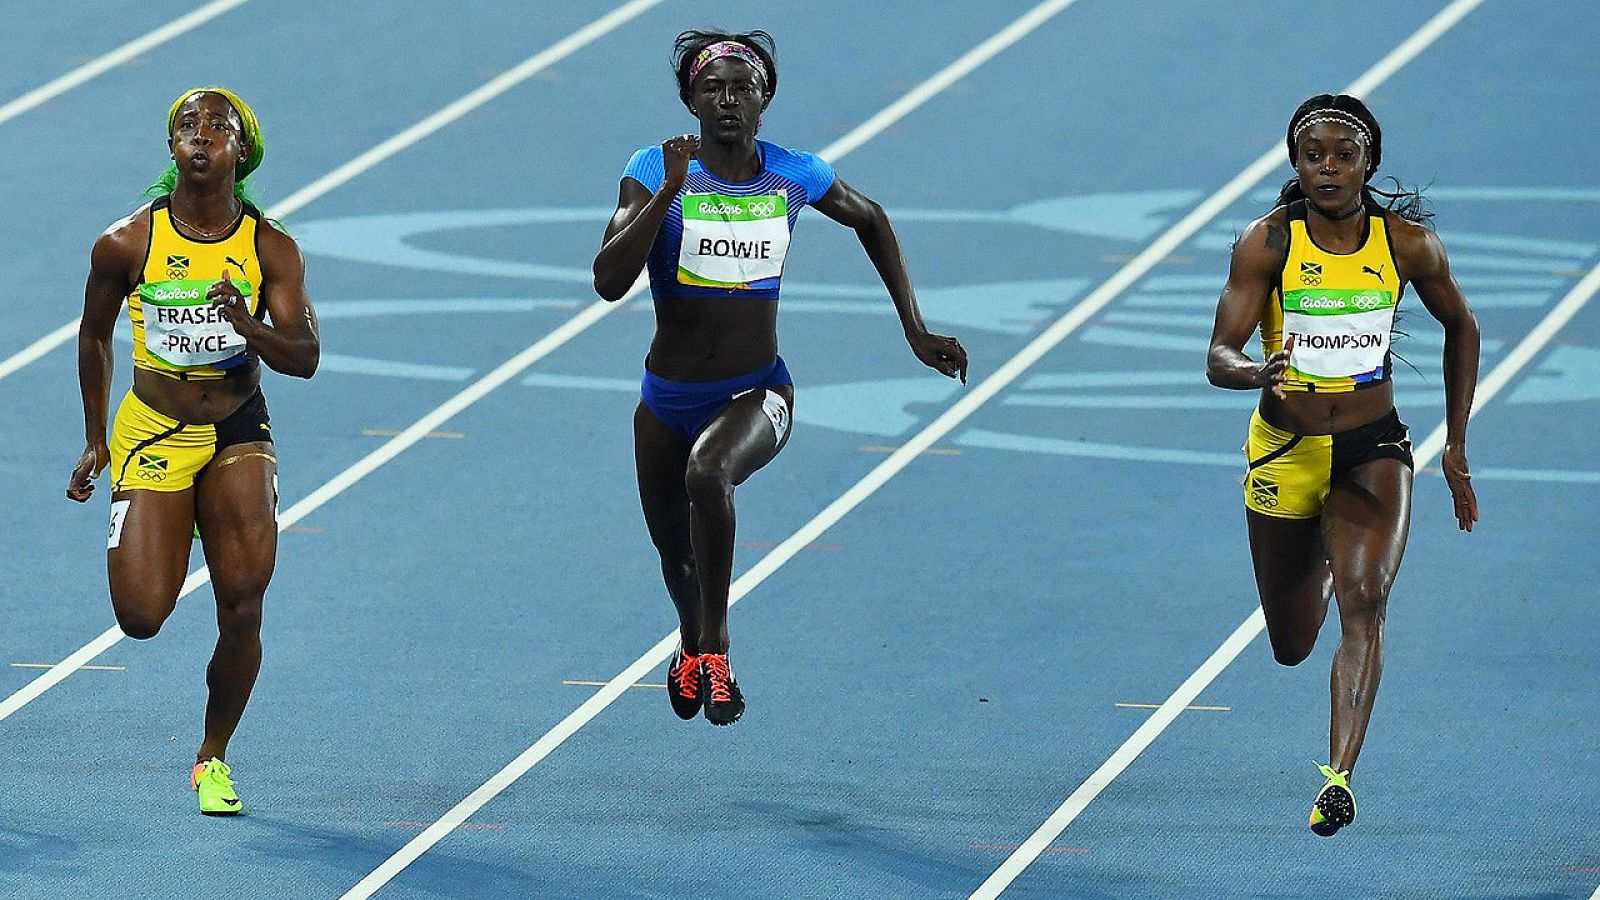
<point x="689" y="44"/>
<point x="1408" y="203"/>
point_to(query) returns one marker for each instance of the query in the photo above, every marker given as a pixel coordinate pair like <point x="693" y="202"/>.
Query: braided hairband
<point x="1338" y="117"/>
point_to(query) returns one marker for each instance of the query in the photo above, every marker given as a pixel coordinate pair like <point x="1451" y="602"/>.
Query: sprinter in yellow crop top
<point x="213" y="289"/>
<point x="1327" y="488"/>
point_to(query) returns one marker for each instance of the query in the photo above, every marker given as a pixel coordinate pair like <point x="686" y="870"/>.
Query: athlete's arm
<point x="291" y="344"/>
<point x="1258" y="256"/>
<point x="632" y="229"/>
<point x="855" y="210"/>
<point x="113" y="267"/>
<point x="1422" y="261"/>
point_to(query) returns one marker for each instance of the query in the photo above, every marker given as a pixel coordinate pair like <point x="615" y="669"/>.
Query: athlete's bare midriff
<point x="196" y="401"/>
<point x="1306" y="412"/>
<point x="712" y="339"/>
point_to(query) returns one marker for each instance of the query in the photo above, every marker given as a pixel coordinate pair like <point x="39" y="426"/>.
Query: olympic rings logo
<point x="763" y="209"/>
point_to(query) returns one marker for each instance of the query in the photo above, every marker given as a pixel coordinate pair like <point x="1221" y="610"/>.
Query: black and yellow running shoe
<point x="1335" y="806"/>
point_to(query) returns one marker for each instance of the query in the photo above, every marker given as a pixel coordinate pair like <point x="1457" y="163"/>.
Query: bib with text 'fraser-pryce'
<point x="184" y="329"/>
<point x="733" y="242"/>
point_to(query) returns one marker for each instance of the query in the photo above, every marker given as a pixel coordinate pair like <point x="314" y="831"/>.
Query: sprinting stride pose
<point x="1328" y="488"/>
<point x="191" y="451"/>
<point x="711" y="216"/>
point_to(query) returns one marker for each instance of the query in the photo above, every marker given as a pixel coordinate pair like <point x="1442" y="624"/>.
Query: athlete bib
<point x="183" y="329"/>
<point x="733" y="242"/>
<point x="1338" y="333"/>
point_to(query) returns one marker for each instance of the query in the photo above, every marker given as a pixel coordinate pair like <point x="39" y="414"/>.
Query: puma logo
<point x="1368" y="270"/>
<point x="235" y="262"/>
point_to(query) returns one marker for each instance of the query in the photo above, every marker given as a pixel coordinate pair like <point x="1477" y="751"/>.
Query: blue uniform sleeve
<point x="647" y="168"/>
<point x="819" y="175"/>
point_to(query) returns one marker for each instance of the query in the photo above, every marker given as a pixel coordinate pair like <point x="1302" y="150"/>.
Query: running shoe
<point x="719" y="690"/>
<point x="683" y="684"/>
<point x="1335" y="806"/>
<point x="210" y="780"/>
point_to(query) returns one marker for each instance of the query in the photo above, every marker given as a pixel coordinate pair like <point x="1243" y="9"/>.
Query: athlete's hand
<point x="94" y="460"/>
<point x="225" y="296"/>
<point x="939" y="352"/>
<point x="1454" y="463"/>
<point x="1275" y="371"/>
<point x="675" y="155"/>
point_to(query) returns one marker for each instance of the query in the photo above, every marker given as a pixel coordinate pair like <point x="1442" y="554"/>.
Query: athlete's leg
<point x="1366" y="521"/>
<point x="237" y="497"/>
<point x="148" y="556"/>
<point x="1293" y="579"/>
<point x="661" y="456"/>
<point x="738" y="442"/>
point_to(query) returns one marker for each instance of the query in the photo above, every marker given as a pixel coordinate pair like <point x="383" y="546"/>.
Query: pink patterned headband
<point x="729" y="48"/>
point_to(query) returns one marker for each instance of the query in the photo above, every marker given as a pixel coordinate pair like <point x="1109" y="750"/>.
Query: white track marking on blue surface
<point x="489" y="90"/>
<point x="429" y="423"/>
<point x="111" y="59"/>
<point x="1253" y="625"/>
<point x="614" y="688"/>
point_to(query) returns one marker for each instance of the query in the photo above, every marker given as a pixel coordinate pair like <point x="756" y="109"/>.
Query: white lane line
<point x="423" y="427"/>
<point x="653" y="657"/>
<point x="491" y="89"/>
<point x="1254" y="624"/>
<point x="111" y="59"/>
<point x="85" y="668"/>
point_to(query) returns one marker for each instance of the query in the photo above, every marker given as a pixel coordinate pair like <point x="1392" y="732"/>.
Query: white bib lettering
<point x="733" y="242"/>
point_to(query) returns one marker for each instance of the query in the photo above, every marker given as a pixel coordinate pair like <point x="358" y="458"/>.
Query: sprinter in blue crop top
<point x="711" y="215"/>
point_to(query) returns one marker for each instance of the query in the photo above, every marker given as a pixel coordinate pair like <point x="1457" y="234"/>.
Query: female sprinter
<point x="191" y="448"/>
<point x="1328" y="491"/>
<point x="712" y="217"/>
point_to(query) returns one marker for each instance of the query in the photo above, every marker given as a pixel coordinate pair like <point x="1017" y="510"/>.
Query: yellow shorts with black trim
<point x="1290" y="475"/>
<point x="155" y="452"/>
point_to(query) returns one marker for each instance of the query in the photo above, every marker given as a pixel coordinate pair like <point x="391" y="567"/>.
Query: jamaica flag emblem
<point x="1311" y="273"/>
<point x="177" y="267"/>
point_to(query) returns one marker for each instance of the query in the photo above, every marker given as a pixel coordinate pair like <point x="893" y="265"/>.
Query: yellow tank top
<point x="1339" y="307"/>
<point x="176" y="331"/>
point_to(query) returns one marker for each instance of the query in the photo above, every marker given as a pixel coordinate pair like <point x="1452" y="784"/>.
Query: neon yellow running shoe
<point x="1335" y="806"/>
<point x="210" y="780"/>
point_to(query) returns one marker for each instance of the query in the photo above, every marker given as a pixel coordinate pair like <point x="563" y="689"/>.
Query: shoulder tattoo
<point x="1277" y="239"/>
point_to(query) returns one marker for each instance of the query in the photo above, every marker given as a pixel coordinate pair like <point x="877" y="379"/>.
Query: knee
<point x="140" y="625"/>
<point x="1362" y="606"/>
<point x="678" y="567"/>
<point x="141" y="612"/>
<point x="1288" y="653"/>
<point x="239" y="614"/>
<point x="707" y="481"/>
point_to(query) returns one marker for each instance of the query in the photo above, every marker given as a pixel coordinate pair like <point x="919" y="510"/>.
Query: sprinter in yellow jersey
<point x="213" y="289"/>
<point x="1327" y="488"/>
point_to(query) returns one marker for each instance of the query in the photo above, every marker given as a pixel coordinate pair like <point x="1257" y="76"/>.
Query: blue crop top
<point x="725" y="238"/>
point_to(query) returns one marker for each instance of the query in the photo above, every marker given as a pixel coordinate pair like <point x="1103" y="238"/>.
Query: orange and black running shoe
<point x="683" y="684"/>
<point x="720" y="691"/>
